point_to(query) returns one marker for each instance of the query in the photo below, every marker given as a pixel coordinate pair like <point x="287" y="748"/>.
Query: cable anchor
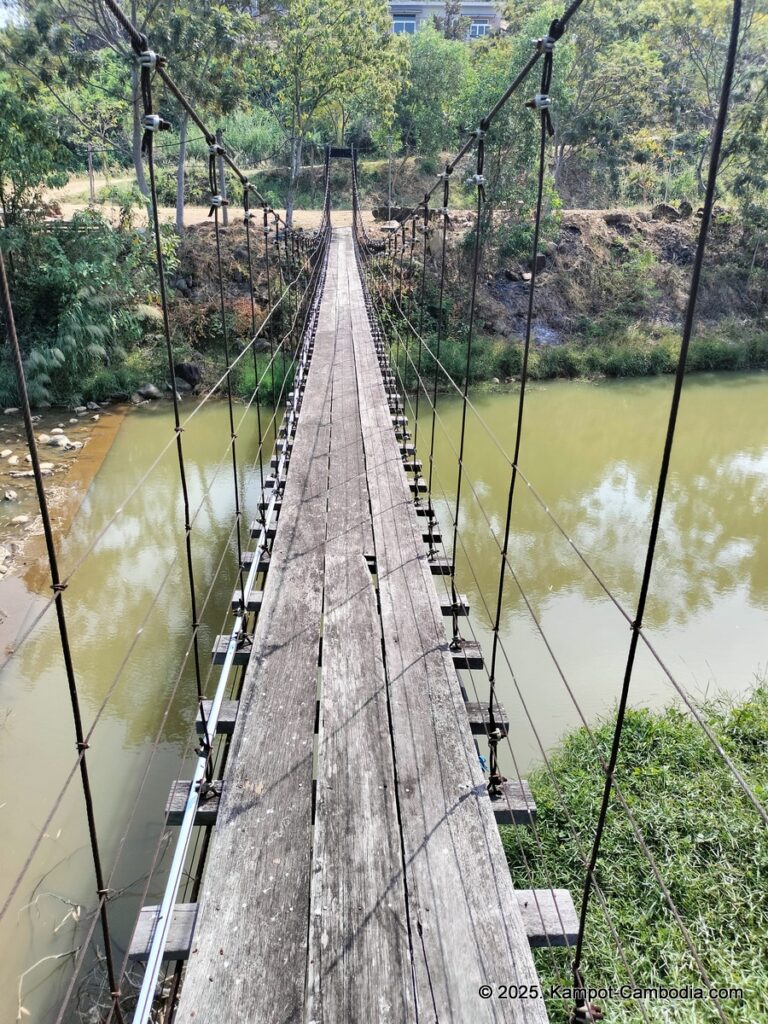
<point x="215" y="149"/>
<point x="541" y="101"/>
<point x="155" y="123"/>
<point x="476" y="179"/>
<point x="544" y="45"/>
<point x="150" y="59"/>
<point x="217" y="202"/>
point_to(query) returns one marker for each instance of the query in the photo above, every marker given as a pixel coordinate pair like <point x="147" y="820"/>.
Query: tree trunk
<point x="296" y="146"/>
<point x="180" y="174"/>
<point x="138" y="132"/>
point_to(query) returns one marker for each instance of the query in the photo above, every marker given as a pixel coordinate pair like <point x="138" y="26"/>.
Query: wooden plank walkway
<point x="393" y="902"/>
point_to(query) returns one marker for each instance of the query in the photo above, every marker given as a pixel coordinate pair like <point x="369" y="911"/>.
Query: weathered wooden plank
<point x="253" y="604"/>
<point x="463" y="913"/>
<point x="248" y="557"/>
<point x="480" y="722"/>
<point x="249" y="958"/>
<point x="359" y="964"/>
<point x="221" y="646"/>
<point x="207" y="810"/>
<point x="180" y="932"/>
<point x="439" y="566"/>
<point x="515" y="805"/>
<point x="446" y="605"/>
<point x="549" y="916"/>
<point x="227" y="719"/>
<point x="470" y="656"/>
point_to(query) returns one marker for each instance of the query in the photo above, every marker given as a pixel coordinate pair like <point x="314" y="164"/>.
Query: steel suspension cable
<point x="601" y="897"/>
<point x="265" y="229"/>
<point x="440" y="320"/>
<point x="478" y="179"/>
<point x="690" y="316"/>
<point x="425" y="229"/>
<point x="148" y="148"/>
<point x="217" y="203"/>
<point x="736" y="775"/>
<point x="58" y="587"/>
<point x="541" y="103"/>
<point x="247" y="218"/>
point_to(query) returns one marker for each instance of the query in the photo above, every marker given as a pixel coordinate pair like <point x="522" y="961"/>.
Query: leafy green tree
<point x="32" y="155"/>
<point x="320" y="55"/>
<point x="452" y="24"/>
<point x="428" y="108"/>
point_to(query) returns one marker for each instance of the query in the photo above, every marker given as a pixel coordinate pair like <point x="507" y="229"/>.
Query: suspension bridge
<point x="339" y="828"/>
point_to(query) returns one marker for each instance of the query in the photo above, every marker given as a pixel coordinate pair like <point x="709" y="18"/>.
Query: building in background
<point x="407" y="18"/>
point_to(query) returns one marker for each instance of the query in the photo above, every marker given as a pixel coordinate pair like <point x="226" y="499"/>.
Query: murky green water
<point x="591" y="451"/>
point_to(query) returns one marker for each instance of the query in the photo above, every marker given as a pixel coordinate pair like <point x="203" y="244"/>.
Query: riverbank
<point x="69" y="470"/>
<point x="705" y="836"/>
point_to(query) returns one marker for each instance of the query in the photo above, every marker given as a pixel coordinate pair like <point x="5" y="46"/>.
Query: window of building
<point x="403" y="25"/>
<point x="478" y="28"/>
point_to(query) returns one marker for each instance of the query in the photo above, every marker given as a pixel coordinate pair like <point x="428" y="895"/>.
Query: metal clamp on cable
<point x="476" y="179"/>
<point x="544" y="45"/>
<point x="215" y="149"/>
<point x="155" y="123"/>
<point x="479" y="133"/>
<point x="540" y="101"/>
<point x="150" y="59"/>
<point x="247" y="217"/>
<point x="217" y="202"/>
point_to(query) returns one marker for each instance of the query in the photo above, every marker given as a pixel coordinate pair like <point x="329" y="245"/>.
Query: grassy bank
<point x="708" y="840"/>
<point x="634" y="352"/>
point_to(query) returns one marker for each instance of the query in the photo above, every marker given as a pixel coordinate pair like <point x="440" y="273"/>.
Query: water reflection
<point x="128" y="648"/>
<point x="592" y="452"/>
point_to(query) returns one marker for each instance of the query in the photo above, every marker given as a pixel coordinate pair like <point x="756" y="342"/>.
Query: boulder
<point x="664" y="212"/>
<point x="150" y="391"/>
<point x="617" y="217"/>
<point x="80" y="409"/>
<point x="11" y="495"/>
<point x="686" y="210"/>
<point x="20" y="520"/>
<point x="92" y="406"/>
<point x="541" y="262"/>
<point x="5" y="453"/>
<point x="136" y="399"/>
<point x="60" y="441"/>
<point x="10" y="411"/>
<point x="74" y="420"/>
<point x="46" y="465"/>
<point x="181" y="385"/>
<point x="43" y="438"/>
<point x="96" y="418"/>
<point x="188" y="372"/>
<point x="58" y="430"/>
<point x="13" y="460"/>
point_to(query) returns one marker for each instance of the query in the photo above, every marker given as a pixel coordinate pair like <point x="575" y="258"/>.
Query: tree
<point x="321" y="52"/>
<point x="428" y="107"/>
<point x="452" y="24"/>
<point x="213" y="43"/>
<point x="32" y="155"/>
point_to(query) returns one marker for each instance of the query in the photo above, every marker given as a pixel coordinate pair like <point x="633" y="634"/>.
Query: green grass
<point x="709" y="842"/>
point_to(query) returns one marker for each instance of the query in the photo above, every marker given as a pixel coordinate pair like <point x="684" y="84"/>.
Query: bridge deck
<point x="393" y="901"/>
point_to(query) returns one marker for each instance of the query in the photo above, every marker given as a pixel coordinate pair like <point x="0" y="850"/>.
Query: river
<point x="592" y="452"/>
